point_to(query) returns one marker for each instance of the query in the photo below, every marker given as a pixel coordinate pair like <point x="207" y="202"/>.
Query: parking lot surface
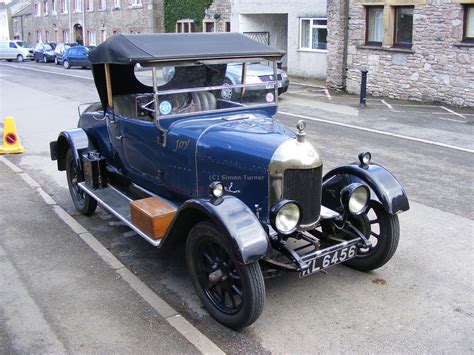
<point x="419" y="302"/>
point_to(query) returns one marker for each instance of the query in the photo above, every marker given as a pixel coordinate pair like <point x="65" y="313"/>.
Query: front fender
<point x="382" y="183"/>
<point x="249" y="241"/>
<point x="74" y="139"/>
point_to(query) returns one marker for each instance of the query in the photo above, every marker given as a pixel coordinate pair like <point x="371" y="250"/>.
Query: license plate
<point x="271" y="86"/>
<point x="330" y="259"/>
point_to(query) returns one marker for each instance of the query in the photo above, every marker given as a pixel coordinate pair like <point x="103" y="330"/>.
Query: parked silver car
<point x="18" y="50"/>
<point x="256" y="73"/>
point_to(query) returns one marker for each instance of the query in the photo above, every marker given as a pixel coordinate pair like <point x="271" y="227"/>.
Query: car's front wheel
<point x="66" y="64"/>
<point x="45" y="59"/>
<point x="84" y="203"/>
<point x="383" y="231"/>
<point x="20" y="58"/>
<point x="233" y="293"/>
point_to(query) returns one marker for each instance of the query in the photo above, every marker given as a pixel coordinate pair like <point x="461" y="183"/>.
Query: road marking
<point x="46" y="71"/>
<point x="326" y="92"/>
<point x="376" y="131"/>
<point x="310" y="85"/>
<point x="453" y="112"/>
<point x="192" y="334"/>
<point x="450" y="119"/>
<point x="390" y="107"/>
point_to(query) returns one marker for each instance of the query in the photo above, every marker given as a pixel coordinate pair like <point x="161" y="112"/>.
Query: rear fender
<point x="384" y="187"/>
<point x="74" y="139"/>
<point x="239" y="225"/>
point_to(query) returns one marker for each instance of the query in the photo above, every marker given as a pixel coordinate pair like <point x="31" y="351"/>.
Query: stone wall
<point x="437" y="68"/>
<point x="147" y="18"/>
<point x="335" y="46"/>
<point x="222" y="8"/>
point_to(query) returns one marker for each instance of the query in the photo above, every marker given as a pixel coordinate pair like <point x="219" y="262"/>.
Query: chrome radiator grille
<point x="304" y="186"/>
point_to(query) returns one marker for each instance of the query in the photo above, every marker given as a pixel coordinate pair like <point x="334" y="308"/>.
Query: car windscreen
<point x="203" y="87"/>
<point x="47" y="47"/>
<point x="22" y="44"/>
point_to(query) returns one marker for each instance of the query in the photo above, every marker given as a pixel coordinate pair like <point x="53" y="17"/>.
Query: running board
<point x="119" y="205"/>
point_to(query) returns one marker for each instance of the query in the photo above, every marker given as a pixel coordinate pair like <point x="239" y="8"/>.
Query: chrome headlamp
<point x="285" y="216"/>
<point x="216" y="189"/>
<point x="355" y="198"/>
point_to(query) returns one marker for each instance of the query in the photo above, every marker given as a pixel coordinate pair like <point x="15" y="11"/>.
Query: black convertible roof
<point x="177" y="47"/>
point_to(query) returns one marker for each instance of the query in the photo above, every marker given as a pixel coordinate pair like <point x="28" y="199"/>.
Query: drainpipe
<point x="84" y="22"/>
<point x="346" y="44"/>
<point x="70" y="20"/>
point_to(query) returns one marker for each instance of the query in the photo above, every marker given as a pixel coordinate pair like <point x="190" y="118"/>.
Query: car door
<point x="82" y="57"/>
<point x="12" y="50"/>
<point x="72" y="56"/>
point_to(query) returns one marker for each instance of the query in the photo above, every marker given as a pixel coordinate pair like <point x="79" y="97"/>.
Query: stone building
<point x="21" y="20"/>
<point x="90" y="22"/>
<point x="421" y="50"/>
<point x="198" y="16"/>
<point x="299" y="27"/>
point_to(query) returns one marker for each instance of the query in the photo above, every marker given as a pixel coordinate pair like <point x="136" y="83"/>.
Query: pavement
<point x="420" y="302"/>
<point x="59" y="295"/>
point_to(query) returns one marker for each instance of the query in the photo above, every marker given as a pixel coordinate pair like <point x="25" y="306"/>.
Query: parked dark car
<point x="178" y="163"/>
<point x="44" y="52"/>
<point x="59" y="51"/>
<point x="77" y="56"/>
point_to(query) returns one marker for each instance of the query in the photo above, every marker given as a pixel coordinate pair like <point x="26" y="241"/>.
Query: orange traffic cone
<point x="11" y="141"/>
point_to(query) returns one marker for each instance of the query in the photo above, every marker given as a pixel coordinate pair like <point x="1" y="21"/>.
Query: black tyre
<point x="66" y="64"/>
<point x="20" y="58"/>
<point x="234" y="294"/>
<point x="84" y="204"/>
<point x="383" y="230"/>
<point x="56" y="61"/>
<point x="45" y="59"/>
<point x="9" y="60"/>
<point x="228" y="93"/>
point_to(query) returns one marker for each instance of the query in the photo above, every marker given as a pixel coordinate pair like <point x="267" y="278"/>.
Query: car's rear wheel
<point x="20" y="58"/>
<point x="45" y="59"/>
<point x="66" y="64"/>
<point x="84" y="203"/>
<point x="383" y="230"/>
<point x="233" y="293"/>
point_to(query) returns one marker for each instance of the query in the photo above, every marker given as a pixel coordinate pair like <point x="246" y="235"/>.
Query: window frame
<point x="204" y="26"/>
<point x="395" y="28"/>
<point x="37" y="8"/>
<point x="45" y="7"/>
<point x="189" y="23"/>
<point x="311" y="26"/>
<point x="466" y="39"/>
<point x="367" y="42"/>
<point x="89" y="5"/>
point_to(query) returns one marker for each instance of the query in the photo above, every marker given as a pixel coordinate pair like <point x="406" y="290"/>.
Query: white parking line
<point x="309" y="85"/>
<point x="453" y="112"/>
<point x="390" y="107"/>
<point x="450" y="119"/>
<point x="46" y="71"/>
<point x="376" y="131"/>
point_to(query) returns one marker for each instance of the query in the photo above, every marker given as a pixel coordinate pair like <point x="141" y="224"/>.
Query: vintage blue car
<point x="177" y="162"/>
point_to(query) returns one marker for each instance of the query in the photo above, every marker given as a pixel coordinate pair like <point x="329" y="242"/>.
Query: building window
<point x="136" y="3"/>
<point x="38" y="36"/>
<point x="116" y="4"/>
<point x="209" y="26"/>
<point x="37" y="9"/>
<point x="78" y="5"/>
<point x="403" y="26"/>
<point x="227" y="26"/>
<point x="468" y="23"/>
<point x="45" y="7"/>
<point x="91" y="37"/>
<point x="103" y="35"/>
<point x="374" y="26"/>
<point x="66" y="36"/>
<point x="90" y="5"/>
<point x="185" y="26"/>
<point x="102" y="4"/>
<point x="64" y="6"/>
<point x="53" y="7"/>
<point x="46" y="36"/>
<point x="313" y="33"/>
<point x="56" y="35"/>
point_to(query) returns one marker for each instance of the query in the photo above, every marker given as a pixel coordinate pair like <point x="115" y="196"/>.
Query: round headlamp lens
<point x="287" y="218"/>
<point x="358" y="200"/>
<point x="216" y="189"/>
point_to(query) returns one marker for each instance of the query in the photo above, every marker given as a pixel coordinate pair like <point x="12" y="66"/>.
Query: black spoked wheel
<point x="84" y="204"/>
<point x="383" y="230"/>
<point x="233" y="293"/>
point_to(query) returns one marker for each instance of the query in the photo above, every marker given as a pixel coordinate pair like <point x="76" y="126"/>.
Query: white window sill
<point x="116" y="8"/>
<point x="77" y="12"/>
<point x="311" y="50"/>
<point x="65" y="13"/>
<point x="90" y="10"/>
<point x="136" y="6"/>
<point x="103" y="9"/>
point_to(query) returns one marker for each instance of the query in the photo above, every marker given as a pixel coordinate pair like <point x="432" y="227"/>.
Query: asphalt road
<point x="420" y="302"/>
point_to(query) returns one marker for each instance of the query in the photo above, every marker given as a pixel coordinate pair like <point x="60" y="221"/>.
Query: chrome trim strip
<point x="90" y="192"/>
